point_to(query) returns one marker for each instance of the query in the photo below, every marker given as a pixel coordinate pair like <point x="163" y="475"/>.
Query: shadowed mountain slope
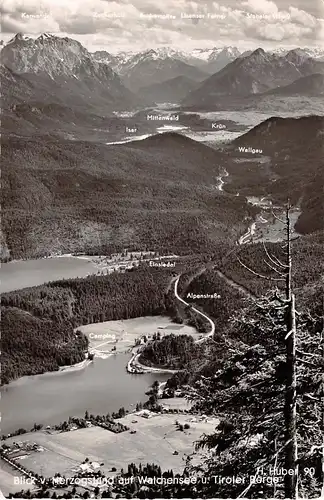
<point x="76" y="196"/>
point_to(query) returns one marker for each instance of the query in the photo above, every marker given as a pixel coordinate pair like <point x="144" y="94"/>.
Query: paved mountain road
<point x="212" y="331"/>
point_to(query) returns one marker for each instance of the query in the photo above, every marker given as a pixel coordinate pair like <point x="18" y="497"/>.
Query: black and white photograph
<point x="162" y="230"/>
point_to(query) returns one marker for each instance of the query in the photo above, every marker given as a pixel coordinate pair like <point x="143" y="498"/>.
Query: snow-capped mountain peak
<point x="51" y="55"/>
<point x="314" y="52"/>
<point x="201" y="54"/>
<point x="230" y="52"/>
<point x="45" y="36"/>
<point x="19" y="37"/>
<point x="297" y="54"/>
<point x="166" y="52"/>
<point x="212" y="53"/>
<point x="159" y="54"/>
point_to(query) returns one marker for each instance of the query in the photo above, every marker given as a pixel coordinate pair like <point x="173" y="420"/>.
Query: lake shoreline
<point x="100" y="385"/>
<point x="133" y="366"/>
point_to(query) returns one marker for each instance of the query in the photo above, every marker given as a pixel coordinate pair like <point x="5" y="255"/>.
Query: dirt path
<point x="235" y="285"/>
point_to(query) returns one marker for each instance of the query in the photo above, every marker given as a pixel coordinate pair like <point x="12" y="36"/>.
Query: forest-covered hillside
<point x="74" y="196"/>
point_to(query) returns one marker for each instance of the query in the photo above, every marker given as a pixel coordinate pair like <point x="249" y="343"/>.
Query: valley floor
<point x="155" y="441"/>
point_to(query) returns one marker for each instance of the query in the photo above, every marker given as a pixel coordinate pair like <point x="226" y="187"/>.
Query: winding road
<point x="246" y="237"/>
<point x="212" y="331"/>
<point x="134" y="366"/>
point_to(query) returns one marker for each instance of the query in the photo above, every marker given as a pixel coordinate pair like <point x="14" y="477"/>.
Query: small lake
<point x="23" y="273"/>
<point x="101" y="387"/>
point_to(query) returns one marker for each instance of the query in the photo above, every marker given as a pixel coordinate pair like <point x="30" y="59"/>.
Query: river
<point x="101" y="387"/>
<point x="200" y="127"/>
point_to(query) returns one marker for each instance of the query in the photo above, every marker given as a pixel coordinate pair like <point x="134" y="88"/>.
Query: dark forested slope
<point x="32" y="344"/>
<point x="78" y="196"/>
<point x="292" y="165"/>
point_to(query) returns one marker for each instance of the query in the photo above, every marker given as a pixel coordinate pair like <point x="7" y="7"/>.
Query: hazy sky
<point x="131" y="25"/>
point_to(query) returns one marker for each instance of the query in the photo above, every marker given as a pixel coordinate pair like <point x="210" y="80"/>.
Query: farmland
<point x="156" y="440"/>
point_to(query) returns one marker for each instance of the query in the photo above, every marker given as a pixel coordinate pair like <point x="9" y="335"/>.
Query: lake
<point x="99" y="387"/>
<point x="23" y="273"/>
<point x="102" y="386"/>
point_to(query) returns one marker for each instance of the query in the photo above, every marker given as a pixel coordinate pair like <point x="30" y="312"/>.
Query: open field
<point x="7" y="475"/>
<point x="155" y="440"/>
<point x="103" y="337"/>
<point x="175" y="403"/>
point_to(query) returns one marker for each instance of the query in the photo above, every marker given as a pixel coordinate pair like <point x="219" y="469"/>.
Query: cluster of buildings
<point x="20" y="449"/>
<point x="87" y="467"/>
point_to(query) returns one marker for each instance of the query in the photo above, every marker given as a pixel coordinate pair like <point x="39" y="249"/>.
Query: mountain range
<point x="232" y="73"/>
<point x="66" y="71"/>
<point x="254" y="74"/>
<point x="146" y="69"/>
<point x="202" y="57"/>
<point x="63" y="72"/>
<point x="209" y="60"/>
